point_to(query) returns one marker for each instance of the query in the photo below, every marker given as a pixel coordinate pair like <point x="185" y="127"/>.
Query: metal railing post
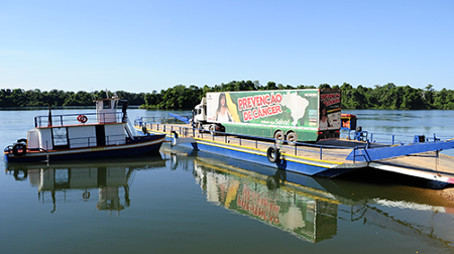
<point x="354" y="154"/>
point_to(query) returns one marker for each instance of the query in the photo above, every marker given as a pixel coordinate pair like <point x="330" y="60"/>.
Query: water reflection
<point x="311" y="208"/>
<point x="75" y="181"/>
<point x="265" y="198"/>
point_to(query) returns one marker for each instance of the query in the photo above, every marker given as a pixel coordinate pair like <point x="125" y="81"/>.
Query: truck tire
<point x="273" y="154"/>
<point x="279" y="136"/>
<point x="292" y="138"/>
<point x="213" y="129"/>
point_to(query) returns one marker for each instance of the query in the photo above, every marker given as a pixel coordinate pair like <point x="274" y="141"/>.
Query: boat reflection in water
<point x="310" y="208"/>
<point x="111" y="179"/>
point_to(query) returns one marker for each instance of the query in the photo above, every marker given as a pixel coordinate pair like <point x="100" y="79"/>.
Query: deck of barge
<point x="427" y="165"/>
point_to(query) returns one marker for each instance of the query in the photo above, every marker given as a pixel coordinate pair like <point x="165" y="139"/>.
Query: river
<point x="188" y="202"/>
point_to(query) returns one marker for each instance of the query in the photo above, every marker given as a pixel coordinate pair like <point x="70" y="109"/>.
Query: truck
<point x="285" y="115"/>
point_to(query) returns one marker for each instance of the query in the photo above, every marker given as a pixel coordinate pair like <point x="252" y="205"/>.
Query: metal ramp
<point x="427" y="166"/>
<point x="380" y="153"/>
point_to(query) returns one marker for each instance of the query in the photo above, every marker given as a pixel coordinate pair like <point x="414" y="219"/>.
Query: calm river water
<point x="187" y="202"/>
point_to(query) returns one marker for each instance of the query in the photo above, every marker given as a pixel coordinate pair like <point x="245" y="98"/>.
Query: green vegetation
<point x="388" y="96"/>
<point x="59" y="98"/>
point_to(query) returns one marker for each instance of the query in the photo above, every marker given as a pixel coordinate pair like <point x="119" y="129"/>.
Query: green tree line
<point x="388" y="96"/>
<point x="59" y="98"/>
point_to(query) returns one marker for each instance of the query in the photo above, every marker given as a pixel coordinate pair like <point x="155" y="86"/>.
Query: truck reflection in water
<point x="62" y="181"/>
<point x="310" y="207"/>
<point x="311" y="217"/>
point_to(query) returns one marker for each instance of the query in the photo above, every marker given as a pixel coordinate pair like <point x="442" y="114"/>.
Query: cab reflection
<point x="307" y="215"/>
<point x="109" y="182"/>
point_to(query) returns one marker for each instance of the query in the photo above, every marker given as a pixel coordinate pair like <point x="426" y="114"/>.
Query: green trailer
<point x="292" y="115"/>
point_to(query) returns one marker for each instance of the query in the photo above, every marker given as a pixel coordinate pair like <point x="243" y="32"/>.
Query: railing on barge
<point x="390" y="139"/>
<point x="72" y="119"/>
<point x="359" y="151"/>
<point x="294" y="148"/>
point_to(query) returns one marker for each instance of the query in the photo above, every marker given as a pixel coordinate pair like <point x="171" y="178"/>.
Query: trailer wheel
<point x="279" y="136"/>
<point x="292" y="138"/>
<point x="273" y="154"/>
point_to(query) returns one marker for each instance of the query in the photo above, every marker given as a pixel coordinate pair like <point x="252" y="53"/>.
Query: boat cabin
<point x="103" y="128"/>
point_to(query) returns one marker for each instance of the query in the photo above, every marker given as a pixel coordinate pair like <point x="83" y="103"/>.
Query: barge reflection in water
<point x="310" y="207"/>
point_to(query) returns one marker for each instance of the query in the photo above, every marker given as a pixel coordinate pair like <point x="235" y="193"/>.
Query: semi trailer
<point x="290" y="115"/>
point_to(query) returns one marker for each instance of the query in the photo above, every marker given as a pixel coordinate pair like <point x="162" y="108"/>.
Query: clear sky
<point x="141" y="46"/>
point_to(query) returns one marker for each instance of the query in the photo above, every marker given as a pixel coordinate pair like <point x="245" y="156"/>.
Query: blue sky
<point x="141" y="46"/>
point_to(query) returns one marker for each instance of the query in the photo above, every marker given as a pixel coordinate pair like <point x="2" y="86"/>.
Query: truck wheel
<point x="279" y="136"/>
<point x="213" y="129"/>
<point x="273" y="154"/>
<point x="292" y="137"/>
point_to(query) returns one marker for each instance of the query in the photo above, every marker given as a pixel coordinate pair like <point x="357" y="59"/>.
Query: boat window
<point x="106" y="104"/>
<point x="60" y="136"/>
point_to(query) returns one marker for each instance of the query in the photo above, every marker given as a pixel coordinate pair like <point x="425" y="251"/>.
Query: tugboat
<point x="106" y="133"/>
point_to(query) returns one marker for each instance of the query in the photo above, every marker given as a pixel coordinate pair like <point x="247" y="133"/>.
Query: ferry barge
<point x="329" y="158"/>
<point x="106" y="133"/>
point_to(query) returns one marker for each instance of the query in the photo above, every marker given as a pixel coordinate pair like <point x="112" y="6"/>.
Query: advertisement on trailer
<point x="284" y="108"/>
<point x="330" y="109"/>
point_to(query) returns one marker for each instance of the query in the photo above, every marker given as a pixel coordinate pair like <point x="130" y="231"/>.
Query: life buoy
<point x="86" y="195"/>
<point x="19" y="149"/>
<point x="82" y="118"/>
<point x="273" y="154"/>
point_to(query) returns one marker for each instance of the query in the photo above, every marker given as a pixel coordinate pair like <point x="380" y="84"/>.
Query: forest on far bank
<point x="388" y="96"/>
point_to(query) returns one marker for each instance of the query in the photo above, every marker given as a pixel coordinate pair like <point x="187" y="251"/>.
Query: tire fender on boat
<point x="21" y="147"/>
<point x="273" y="154"/>
<point x="175" y="137"/>
<point x="144" y="129"/>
